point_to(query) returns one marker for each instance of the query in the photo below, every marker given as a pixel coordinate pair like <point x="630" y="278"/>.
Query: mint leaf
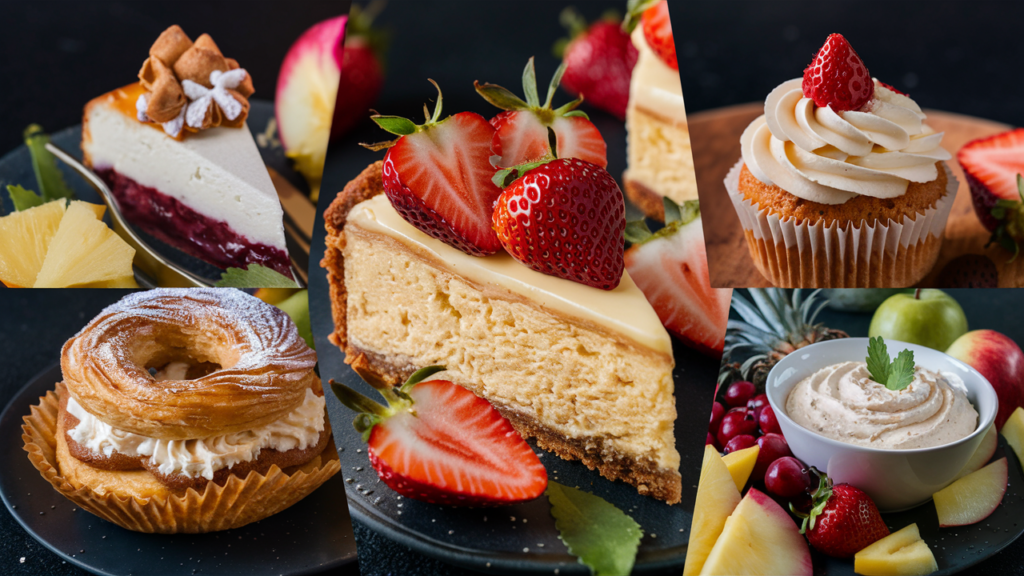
<point x="878" y="360"/>
<point x="48" y="176"/>
<point x="23" y="199"/>
<point x="255" y="276"/>
<point x="600" y="535"/>
<point x="901" y="372"/>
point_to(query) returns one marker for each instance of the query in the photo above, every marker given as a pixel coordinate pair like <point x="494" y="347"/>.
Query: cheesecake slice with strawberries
<point x="558" y="339"/>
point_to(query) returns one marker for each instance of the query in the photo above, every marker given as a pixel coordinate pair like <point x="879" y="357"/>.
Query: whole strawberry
<point x="522" y="131"/>
<point x="438" y="442"/>
<point x="438" y="177"/>
<point x="837" y="77"/>
<point x="599" y="61"/>
<point x="362" y="71"/>
<point x="564" y="217"/>
<point x="843" y="519"/>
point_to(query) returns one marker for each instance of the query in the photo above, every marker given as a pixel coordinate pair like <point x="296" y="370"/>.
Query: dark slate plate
<point x="308" y="538"/>
<point x="512" y="539"/>
<point x="16" y="168"/>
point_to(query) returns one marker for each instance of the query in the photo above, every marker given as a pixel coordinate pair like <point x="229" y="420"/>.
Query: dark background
<point x="955" y="56"/>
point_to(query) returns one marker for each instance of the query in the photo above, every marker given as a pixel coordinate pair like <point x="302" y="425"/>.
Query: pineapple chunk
<point x="24" y="238"/>
<point x="901" y="553"/>
<point x="120" y="282"/>
<point x="84" y="251"/>
<point x="717" y="497"/>
<point x="741" y="464"/>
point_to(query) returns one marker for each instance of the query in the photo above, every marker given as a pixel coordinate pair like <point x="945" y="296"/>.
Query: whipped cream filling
<point x="843" y="403"/>
<point x="299" y="429"/>
<point x="830" y="157"/>
<point x="654" y="86"/>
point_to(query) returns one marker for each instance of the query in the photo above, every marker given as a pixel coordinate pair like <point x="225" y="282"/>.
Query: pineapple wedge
<point x="24" y="238"/>
<point x="84" y="251"/>
<point x="901" y="553"/>
<point x="741" y="464"/>
<point x="717" y="497"/>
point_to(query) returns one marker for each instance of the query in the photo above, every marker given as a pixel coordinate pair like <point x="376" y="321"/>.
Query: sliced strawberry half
<point x="564" y="217"/>
<point x="991" y="166"/>
<point x="439" y="443"/>
<point x="670" y="266"/>
<point x="658" y="33"/>
<point x="522" y="130"/>
<point x="837" y="77"/>
<point x="438" y="177"/>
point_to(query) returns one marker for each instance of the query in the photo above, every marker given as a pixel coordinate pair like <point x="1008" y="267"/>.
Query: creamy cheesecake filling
<point x="299" y="429"/>
<point x="624" y="310"/>
<point x="217" y="173"/>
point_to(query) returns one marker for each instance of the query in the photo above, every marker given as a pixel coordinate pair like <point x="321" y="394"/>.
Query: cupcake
<point x="841" y="183"/>
<point x="184" y="411"/>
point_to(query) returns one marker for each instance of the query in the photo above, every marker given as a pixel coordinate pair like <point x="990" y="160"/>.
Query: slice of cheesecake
<point x="659" y="161"/>
<point x="584" y="371"/>
<point x="206" y="193"/>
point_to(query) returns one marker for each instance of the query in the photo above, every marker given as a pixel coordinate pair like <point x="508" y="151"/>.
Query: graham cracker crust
<point x="645" y="475"/>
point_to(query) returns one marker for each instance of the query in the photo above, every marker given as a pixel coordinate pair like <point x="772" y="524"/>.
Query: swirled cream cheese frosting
<point x="843" y="403"/>
<point x="299" y="429"/>
<point x="829" y="157"/>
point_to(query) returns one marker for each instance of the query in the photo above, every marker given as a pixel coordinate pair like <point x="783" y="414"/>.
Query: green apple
<point x="297" y="306"/>
<point x="930" y="318"/>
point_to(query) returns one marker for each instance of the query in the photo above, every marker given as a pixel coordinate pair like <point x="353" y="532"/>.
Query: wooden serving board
<point x="715" y="135"/>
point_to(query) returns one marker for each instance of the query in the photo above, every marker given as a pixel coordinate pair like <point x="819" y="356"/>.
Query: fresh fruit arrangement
<point x="993" y="167"/>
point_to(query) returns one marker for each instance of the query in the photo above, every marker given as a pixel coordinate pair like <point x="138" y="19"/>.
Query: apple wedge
<point x="741" y="464"/>
<point x="972" y="498"/>
<point x="983" y="454"/>
<point x="1013" y="431"/>
<point x="717" y="497"/>
<point x="759" y="538"/>
<point x="901" y="553"/>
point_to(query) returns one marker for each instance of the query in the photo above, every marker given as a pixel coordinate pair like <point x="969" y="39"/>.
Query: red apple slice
<point x="972" y="498"/>
<point x="982" y="454"/>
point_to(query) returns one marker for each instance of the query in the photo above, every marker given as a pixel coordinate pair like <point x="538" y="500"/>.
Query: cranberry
<point x="772" y="447"/>
<point x="787" y="478"/>
<point x="757" y="403"/>
<point x="717" y="411"/>
<point x="739" y="393"/>
<point x="735" y="423"/>
<point x="740" y="442"/>
<point x="768" y="422"/>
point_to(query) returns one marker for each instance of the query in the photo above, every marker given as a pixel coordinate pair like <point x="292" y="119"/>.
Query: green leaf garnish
<point x="23" y="199"/>
<point x="48" y="176"/>
<point x="255" y="276"/>
<point x="895" y="375"/>
<point x="600" y="535"/>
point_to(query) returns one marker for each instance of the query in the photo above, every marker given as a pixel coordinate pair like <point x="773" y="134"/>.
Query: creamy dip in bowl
<point x="899" y="447"/>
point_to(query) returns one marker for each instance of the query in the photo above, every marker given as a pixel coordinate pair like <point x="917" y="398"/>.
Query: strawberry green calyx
<point x="506" y="100"/>
<point x="576" y="25"/>
<point x="634" y="10"/>
<point x="400" y="126"/>
<point x="370" y="412"/>
<point x="1010" y="215"/>
<point x="819" y="499"/>
<point x="676" y="217"/>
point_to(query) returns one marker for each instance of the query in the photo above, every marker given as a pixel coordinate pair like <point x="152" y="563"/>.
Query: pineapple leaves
<point x="894" y="375"/>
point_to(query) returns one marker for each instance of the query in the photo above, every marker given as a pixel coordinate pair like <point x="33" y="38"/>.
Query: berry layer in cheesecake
<point x="175" y="151"/>
<point x="659" y="160"/>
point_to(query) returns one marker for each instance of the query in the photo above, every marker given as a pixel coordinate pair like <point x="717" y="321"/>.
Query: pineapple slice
<point x="84" y="251"/>
<point x="741" y="464"/>
<point x="901" y="553"/>
<point x="759" y="538"/>
<point x="717" y="497"/>
<point x="24" y="238"/>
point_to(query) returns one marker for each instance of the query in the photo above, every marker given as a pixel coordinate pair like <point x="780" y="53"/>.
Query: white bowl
<point x="895" y="479"/>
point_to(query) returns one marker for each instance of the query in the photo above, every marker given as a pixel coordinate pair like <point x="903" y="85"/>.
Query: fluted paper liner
<point x="800" y="254"/>
<point x="237" y="503"/>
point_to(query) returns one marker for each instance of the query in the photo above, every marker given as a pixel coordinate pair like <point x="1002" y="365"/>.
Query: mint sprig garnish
<point x="894" y="375"/>
<point x="598" y="534"/>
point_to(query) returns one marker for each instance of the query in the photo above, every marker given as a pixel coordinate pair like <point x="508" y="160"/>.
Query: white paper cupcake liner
<point x="795" y="254"/>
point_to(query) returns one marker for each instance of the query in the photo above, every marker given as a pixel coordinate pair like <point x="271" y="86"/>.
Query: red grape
<point x="739" y="392"/>
<point x="717" y="411"/>
<point x="768" y="422"/>
<point x="787" y="478"/>
<point x="757" y="403"/>
<point x="712" y="441"/>
<point x="735" y="423"/>
<point x="739" y="443"/>
<point x="773" y="446"/>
